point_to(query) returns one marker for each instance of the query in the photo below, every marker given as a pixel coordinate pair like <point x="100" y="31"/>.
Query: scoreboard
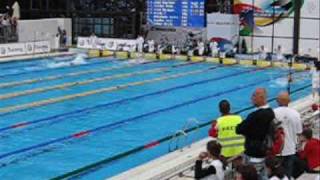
<point x="177" y="13"/>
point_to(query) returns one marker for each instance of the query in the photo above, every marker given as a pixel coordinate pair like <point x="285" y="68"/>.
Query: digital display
<point x="185" y="13"/>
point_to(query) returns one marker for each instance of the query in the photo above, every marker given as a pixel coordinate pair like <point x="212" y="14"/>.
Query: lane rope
<point x="50" y="78"/>
<point x="36" y="63"/>
<point x="78" y="83"/>
<point x="61" y="117"/>
<point x="58" y="68"/>
<point x="120" y="123"/>
<point x="16" y="108"/>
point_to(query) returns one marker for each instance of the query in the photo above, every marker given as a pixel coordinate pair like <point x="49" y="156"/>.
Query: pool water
<point x="49" y="127"/>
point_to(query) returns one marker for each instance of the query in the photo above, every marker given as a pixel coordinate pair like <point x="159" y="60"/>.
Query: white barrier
<point x="44" y="30"/>
<point x="17" y="49"/>
<point x="106" y="43"/>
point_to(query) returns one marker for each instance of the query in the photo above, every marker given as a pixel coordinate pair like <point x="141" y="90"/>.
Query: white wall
<point x="43" y="29"/>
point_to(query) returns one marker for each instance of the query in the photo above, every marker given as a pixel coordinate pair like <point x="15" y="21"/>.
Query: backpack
<point x="274" y="140"/>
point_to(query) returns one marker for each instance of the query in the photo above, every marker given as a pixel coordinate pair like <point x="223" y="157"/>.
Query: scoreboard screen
<point x="178" y="13"/>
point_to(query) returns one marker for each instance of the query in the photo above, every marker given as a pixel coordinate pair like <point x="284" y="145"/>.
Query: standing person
<point x="315" y="73"/>
<point x="217" y="166"/>
<point x="292" y="126"/>
<point x="140" y="42"/>
<point x="255" y="130"/>
<point x="224" y="129"/>
<point x="16" y="10"/>
<point x="200" y="48"/>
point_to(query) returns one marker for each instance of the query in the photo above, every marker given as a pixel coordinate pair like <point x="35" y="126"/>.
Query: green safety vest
<point x="232" y="143"/>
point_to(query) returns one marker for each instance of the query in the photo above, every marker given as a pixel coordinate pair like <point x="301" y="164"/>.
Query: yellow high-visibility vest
<point x="232" y="143"/>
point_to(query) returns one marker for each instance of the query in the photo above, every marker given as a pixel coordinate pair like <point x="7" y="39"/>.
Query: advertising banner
<point x="16" y="49"/>
<point x="106" y="43"/>
<point x="223" y="29"/>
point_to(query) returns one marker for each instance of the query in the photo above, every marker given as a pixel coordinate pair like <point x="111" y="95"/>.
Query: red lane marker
<point x="81" y="134"/>
<point x="151" y="145"/>
<point x="20" y="125"/>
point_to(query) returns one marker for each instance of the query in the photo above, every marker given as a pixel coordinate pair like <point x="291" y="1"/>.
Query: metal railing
<point x="182" y="134"/>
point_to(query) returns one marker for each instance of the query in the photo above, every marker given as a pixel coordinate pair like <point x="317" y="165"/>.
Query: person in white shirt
<point x="200" y="48"/>
<point x="291" y="123"/>
<point x="173" y="49"/>
<point x="140" y="42"/>
<point x="16" y="10"/>
<point x="279" y="54"/>
<point x="215" y="171"/>
<point x="93" y="39"/>
<point x="151" y="47"/>
<point x="262" y="53"/>
<point x="214" y="49"/>
<point x="315" y="73"/>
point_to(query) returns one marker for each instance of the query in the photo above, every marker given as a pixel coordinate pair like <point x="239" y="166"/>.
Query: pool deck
<point x="34" y="56"/>
<point x="169" y="166"/>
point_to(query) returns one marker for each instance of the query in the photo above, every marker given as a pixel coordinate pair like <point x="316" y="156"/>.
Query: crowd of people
<point x="192" y="47"/>
<point x="268" y="144"/>
<point x="9" y="20"/>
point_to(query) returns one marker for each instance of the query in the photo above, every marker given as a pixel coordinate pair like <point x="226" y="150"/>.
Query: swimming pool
<point x="60" y="114"/>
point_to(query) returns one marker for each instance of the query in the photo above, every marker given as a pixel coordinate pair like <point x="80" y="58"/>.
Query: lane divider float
<point x="58" y="68"/>
<point x="78" y="83"/>
<point x="120" y="123"/>
<point x="62" y="117"/>
<point x="15" y="108"/>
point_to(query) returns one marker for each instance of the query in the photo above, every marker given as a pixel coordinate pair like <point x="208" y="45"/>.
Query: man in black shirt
<point x="255" y="129"/>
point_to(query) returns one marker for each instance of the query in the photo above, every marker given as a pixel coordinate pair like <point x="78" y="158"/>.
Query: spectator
<point x="275" y="169"/>
<point x="16" y="10"/>
<point x="140" y="42"/>
<point x="255" y="129"/>
<point x="65" y="38"/>
<point x="6" y="20"/>
<point x="292" y="125"/>
<point x="224" y="128"/>
<point x="315" y="72"/>
<point x="246" y="172"/>
<point x="311" y="150"/>
<point x="216" y="169"/>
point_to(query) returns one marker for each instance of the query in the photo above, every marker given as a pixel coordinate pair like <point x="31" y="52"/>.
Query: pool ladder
<point x="183" y="135"/>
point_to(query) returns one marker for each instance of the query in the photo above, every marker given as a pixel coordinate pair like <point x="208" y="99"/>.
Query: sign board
<point x="223" y="29"/>
<point x="106" y="43"/>
<point x="184" y="13"/>
<point x="16" y="49"/>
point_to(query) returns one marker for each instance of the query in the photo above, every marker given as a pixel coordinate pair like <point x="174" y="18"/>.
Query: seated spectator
<point x="217" y="166"/>
<point x="246" y="172"/>
<point x="224" y="129"/>
<point x="275" y="169"/>
<point x="311" y="150"/>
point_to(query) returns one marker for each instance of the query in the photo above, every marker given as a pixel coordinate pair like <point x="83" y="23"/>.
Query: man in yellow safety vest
<point x="224" y="129"/>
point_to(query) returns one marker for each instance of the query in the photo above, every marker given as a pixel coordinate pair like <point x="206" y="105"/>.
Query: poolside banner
<point x="180" y="37"/>
<point x="107" y="43"/>
<point x="16" y="49"/>
<point x="12" y="49"/>
<point x="257" y="14"/>
<point x="223" y="29"/>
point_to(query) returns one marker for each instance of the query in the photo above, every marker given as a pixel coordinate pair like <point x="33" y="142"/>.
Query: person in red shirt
<point x="311" y="150"/>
